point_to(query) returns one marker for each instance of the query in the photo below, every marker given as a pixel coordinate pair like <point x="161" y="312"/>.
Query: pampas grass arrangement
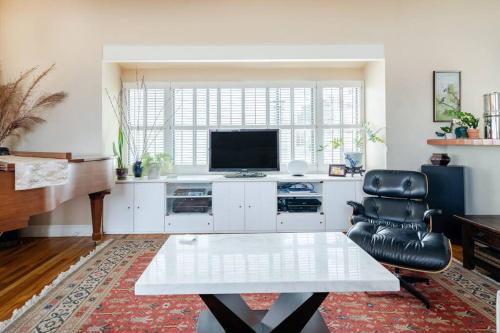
<point x="20" y="107"/>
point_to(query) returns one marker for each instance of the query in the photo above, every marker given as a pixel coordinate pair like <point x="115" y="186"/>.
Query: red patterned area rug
<point x="99" y="297"/>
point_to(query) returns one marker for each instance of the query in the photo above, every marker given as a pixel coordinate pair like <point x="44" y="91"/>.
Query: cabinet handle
<point x="249" y="206"/>
<point x="240" y="206"/>
<point x="128" y="207"/>
<point x="137" y="207"/>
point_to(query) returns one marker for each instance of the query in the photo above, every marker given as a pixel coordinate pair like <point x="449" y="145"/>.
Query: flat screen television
<point x="244" y="150"/>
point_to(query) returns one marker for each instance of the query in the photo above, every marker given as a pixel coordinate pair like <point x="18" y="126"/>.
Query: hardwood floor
<point x="26" y="269"/>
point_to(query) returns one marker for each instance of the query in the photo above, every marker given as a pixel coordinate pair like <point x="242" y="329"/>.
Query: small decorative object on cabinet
<point x="446" y="192"/>
<point x="4" y="151"/>
<point x="492" y="115"/>
<point x="337" y="170"/>
<point x="440" y="159"/>
<point x="297" y="167"/>
<point x="138" y="169"/>
<point x="461" y="132"/>
<point x="446" y="92"/>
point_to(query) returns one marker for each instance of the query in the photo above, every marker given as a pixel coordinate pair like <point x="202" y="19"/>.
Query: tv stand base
<point x="246" y="174"/>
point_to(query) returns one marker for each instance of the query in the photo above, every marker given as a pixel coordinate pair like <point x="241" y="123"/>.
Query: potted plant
<point x="122" y="169"/>
<point x="447" y="132"/>
<point x="354" y="159"/>
<point x="137" y="146"/>
<point x="472" y="122"/>
<point x="468" y="124"/>
<point x="157" y="165"/>
<point x="19" y="109"/>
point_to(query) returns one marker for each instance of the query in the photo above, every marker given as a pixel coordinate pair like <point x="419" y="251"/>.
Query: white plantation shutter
<point x="280" y="106"/>
<point x="192" y="111"/>
<point x="342" y="119"/>
<point x="183" y="147"/>
<point x="183" y="107"/>
<point x="255" y="106"/>
<point x="146" y="113"/>
<point x="231" y="112"/>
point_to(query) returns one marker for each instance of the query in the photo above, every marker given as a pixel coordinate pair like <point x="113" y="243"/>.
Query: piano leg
<point x="96" y="205"/>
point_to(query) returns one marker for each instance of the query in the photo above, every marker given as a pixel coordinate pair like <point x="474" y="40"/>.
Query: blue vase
<point x="137" y="169"/>
<point x="461" y="132"/>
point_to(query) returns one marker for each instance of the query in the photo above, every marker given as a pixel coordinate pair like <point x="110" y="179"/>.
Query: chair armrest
<point x="357" y="208"/>
<point x="429" y="212"/>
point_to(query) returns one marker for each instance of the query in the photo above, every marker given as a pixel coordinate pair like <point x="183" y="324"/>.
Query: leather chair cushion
<point x="403" y="247"/>
<point x="396" y="184"/>
<point x="417" y="226"/>
<point x="394" y="212"/>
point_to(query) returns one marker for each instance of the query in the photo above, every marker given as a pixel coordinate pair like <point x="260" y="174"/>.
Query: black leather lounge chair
<point x="394" y="225"/>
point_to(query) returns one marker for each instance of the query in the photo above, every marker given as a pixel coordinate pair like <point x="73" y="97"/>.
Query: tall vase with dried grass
<point x="21" y="108"/>
<point x="137" y="146"/>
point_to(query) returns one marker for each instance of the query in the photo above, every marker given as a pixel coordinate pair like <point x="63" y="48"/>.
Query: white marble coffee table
<point x="302" y="267"/>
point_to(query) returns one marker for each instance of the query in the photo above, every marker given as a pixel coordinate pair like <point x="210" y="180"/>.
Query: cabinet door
<point x="228" y="199"/>
<point x="335" y="196"/>
<point x="260" y="206"/>
<point x="300" y="222"/>
<point x="119" y="210"/>
<point x="149" y="208"/>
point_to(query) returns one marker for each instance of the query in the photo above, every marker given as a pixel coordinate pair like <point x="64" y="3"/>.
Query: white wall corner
<point x="58" y="230"/>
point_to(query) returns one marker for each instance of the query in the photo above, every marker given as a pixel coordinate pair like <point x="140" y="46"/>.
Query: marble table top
<point x="263" y="263"/>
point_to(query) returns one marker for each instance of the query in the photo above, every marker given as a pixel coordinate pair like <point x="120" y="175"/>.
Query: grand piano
<point x="88" y="175"/>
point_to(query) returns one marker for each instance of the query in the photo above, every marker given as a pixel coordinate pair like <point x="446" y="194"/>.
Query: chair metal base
<point x="407" y="283"/>
<point x="291" y="313"/>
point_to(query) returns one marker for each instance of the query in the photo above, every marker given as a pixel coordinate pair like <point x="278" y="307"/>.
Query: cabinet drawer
<point x="189" y="223"/>
<point x="300" y="222"/>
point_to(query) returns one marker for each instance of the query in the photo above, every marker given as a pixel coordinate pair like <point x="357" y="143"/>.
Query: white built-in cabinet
<point x="135" y="208"/>
<point x="119" y="210"/>
<point x="244" y="206"/>
<point x="141" y="206"/>
<point x="337" y="212"/>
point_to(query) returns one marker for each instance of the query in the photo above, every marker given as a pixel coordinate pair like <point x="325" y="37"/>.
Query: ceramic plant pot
<point x="473" y="133"/>
<point x="461" y="132"/>
<point x="121" y="173"/>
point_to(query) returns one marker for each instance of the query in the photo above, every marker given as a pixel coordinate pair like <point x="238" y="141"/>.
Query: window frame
<point x="317" y="124"/>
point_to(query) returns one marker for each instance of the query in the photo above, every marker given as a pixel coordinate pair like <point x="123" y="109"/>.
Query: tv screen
<point x="236" y="150"/>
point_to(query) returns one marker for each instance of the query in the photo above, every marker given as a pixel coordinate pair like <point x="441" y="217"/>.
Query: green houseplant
<point x="468" y="124"/>
<point x="122" y="169"/>
<point x="354" y="159"/>
<point x="157" y="165"/>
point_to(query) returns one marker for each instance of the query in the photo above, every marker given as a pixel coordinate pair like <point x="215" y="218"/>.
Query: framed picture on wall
<point x="337" y="170"/>
<point x="447" y="94"/>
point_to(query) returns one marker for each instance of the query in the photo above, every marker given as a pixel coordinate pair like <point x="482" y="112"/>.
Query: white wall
<point x="419" y="36"/>
<point x="375" y="112"/>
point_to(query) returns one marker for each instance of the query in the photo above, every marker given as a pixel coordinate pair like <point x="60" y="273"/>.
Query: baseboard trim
<point x="57" y="230"/>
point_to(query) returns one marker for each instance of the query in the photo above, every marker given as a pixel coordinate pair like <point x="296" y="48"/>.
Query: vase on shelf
<point x="461" y="132"/>
<point x="137" y="169"/>
<point x="473" y="133"/>
<point x="4" y="151"/>
<point x="353" y="159"/>
<point x="440" y="159"/>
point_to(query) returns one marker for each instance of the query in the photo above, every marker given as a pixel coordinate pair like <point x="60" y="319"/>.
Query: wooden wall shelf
<point x="463" y="142"/>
